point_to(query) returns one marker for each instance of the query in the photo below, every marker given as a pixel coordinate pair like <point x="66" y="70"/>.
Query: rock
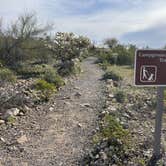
<point x="126" y="116"/>
<point x="66" y="97"/>
<point x="125" y="125"/>
<point x="111" y="96"/>
<point x="10" y="112"/>
<point x="2" y="121"/>
<point x="110" y="82"/>
<point x="111" y="108"/>
<point x="3" y="140"/>
<point x="67" y="103"/>
<point x="22" y="139"/>
<point x="97" y="156"/>
<point x="24" y="164"/>
<point x="77" y="88"/>
<point x="103" y="156"/>
<point x="15" y="111"/>
<point x="147" y="153"/>
<point x="77" y="94"/>
<point x="21" y="114"/>
<point x="79" y="125"/>
<point x="85" y="105"/>
<point x="26" y="108"/>
<point x="51" y="108"/>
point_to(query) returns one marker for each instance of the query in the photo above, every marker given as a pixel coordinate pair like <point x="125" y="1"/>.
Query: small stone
<point x="22" y="139"/>
<point x="67" y="103"/>
<point x="126" y="115"/>
<point x="15" y="111"/>
<point x="79" y="125"/>
<point x="77" y="88"/>
<point x="77" y="94"/>
<point x="51" y="108"/>
<point x="3" y="140"/>
<point x="10" y="112"/>
<point x="103" y="156"/>
<point x="26" y="108"/>
<point x="21" y="114"/>
<point x="110" y="95"/>
<point x="111" y="108"/>
<point x="66" y="97"/>
<point x="85" y="105"/>
<point x="2" y="121"/>
<point x="24" y="164"/>
<point x="97" y="156"/>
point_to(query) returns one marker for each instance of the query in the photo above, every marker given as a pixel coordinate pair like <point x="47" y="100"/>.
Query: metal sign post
<point x="158" y="125"/>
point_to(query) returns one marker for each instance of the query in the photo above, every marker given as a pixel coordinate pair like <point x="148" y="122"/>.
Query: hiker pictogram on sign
<point x="148" y="73"/>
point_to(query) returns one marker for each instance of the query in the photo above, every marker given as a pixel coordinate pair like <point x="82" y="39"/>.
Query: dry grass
<point x="126" y="72"/>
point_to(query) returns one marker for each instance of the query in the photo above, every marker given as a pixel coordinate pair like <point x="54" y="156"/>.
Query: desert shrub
<point x="113" y="140"/>
<point x="104" y="65"/>
<point x="69" y="67"/>
<point x="117" y="53"/>
<point x="11" y="120"/>
<point x="112" y="75"/>
<point x="46" y="89"/>
<point x="28" y="70"/>
<point x="6" y="76"/>
<point x="120" y="96"/>
<point x="51" y="76"/>
<point x="113" y="129"/>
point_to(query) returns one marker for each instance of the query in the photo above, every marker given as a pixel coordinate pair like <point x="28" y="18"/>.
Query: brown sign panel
<point x="150" y="68"/>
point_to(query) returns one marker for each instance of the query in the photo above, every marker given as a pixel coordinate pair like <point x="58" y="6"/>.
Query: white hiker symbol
<point x="148" y="73"/>
<point x="151" y="78"/>
<point x="145" y="73"/>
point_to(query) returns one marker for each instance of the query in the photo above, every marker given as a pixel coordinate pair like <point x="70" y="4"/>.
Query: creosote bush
<point x="112" y="75"/>
<point x="27" y="70"/>
<point x="6" y="76"/>
<point x="113" y="129"/>
<point x="52" y="77"/>
<point x="46" y="89"/>
<point x="113" y="135"/>
<point x="69" y="67"/>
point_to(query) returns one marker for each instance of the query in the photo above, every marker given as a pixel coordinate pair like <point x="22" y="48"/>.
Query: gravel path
<point x="60" y="132"/>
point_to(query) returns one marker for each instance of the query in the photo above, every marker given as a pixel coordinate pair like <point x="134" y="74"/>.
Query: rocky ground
<point x="62" y="131"/>
<point x="56" y="133"/>
<point x="136" y="114"/>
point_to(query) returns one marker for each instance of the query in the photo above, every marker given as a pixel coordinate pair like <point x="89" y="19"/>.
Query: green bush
<point x="120" y="96"/>
<point x="68" y="68"/>
<point x="117" y="139"/>
<point x="51" y="76"/>
<point x="112" y="75"/>
<point x="28" y="70"/>
<point x="46" y="89"/>
<point x="113" y="129"/>
<point x="6" y="76"/>
<point x="104" y="65"/>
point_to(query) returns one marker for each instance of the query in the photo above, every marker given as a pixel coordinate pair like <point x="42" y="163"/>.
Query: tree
<point x="21" y="38"/>
<point x="111" y="42"/>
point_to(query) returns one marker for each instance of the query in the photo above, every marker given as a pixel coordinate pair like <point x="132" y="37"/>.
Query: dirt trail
<point x="60" y="133"/>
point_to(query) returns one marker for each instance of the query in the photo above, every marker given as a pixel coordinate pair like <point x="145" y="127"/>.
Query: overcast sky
<point x="142" y="22"/>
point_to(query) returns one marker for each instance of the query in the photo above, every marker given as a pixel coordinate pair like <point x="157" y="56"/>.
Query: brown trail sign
<point x="150" y="70"/>
<point x="150" y="67"/>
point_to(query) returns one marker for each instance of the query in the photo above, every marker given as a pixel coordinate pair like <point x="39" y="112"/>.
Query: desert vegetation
<point x="35" y="66"/>
<point x="27" y="51"/>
